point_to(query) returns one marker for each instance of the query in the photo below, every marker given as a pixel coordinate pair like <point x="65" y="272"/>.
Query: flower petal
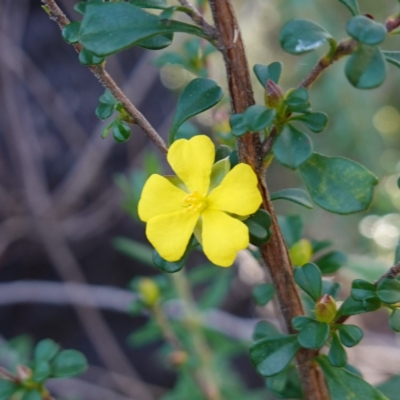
<point x="238" y="192"/>
<point x="192" y="161"/>
<point x="159" y="196"/>
<point x="170" y="233"/>
<point x="222" y="237"/>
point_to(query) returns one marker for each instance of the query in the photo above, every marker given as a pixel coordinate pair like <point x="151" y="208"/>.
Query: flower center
<point x="195" y="202"/>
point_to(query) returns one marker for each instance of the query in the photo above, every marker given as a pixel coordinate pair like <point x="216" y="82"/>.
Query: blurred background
<point x="67" y="195"/>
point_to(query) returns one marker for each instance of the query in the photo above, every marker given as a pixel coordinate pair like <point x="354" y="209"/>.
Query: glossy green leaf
<point x="32" y="395"/>
<point x="264" y="330"/>
<point x="337" y="184"/>
<point x="271" y="356"/>
<point x="337" y="354"/>
<point x="262" y="294"/>
<point x="86" y="57"/>
<point x="350" y="335"/>
<point x="258" y="117"/>
<point x="298" y="196"/>
<point x="316" y="122"/>
<point x="308" y="277"/>
<point x="304" y="108"/>
<point x="69" y="363"/>
<point x="272" y="71"/>
<point x="156" y="42"/>
<point x="331" y="262"/>
<point x="71" y="32"/>
<point x="292" y="228"/>
<point x="352" y="5"/>
<point x="292" y="147"/>
<point x="7" y="389"/>
<point x="365" y="30"/>
<point x="199" y="95"/>
<point x="167" y="266"/>
<point x="121" y="131"/>
<point x="278" y="382"/>
<point x="344" y="385"/>
<point x="259" y="227"/>
<point x="314" y="335"/>
<point x="111" y="27"/>
<point x="41" y="371"/>
<point x="366" y="67"/>
<point x="222" y="152"/>
<point x="388" y="290"/>
<point x="351" y="307"/>
<point x="107" y="105"/>
<point x="300" y="36"/>
<point x="157" y="4"/>
<point x="393" y="57"/>
<point x="361" y="289"/>
<point x="394" y="320"/>
<point x="238" y="126"/>
<point x="46" y="350"/>
<point x="297" y="97"/>
<point x="300" y="322"/>
<point x="80" y="7"/>
<point x="330" y="288"/>
<point x="372" y="303"/>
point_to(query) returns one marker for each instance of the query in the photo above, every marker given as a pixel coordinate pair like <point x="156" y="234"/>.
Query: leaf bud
<point x="301" y="252"/>
<point x="149" y="291"/>
<point x="23" y="373"/>
<point x="325" y="309"/>
<point x="273" y="94"/>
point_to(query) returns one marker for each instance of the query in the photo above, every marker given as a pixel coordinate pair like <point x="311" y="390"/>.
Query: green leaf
<point x="265" y="72"/>
<point x="238" y="126"/>
<point x="271" y="356"/>
<point x="121" y="131"/>
<point x="7" y="389"/>
<point x="366" y="67"/>
<point x="300" y="36"/>
<point x="337" y="354"/>
<point x="259" y="227"/>
<point x="314" y="335"/>
<point x="372" y="303"/>
<point x="80" y="7"/>
<point x="169" y="58"/>
<point x="111" y="27"/>
<point x="71" y="32"/>
<point x="365" y="30"/>
<point x="330" y="288"/>
<point x="134" y="249"/>
<point x="318" y="245"/>
<point x="219" y="170"/>
<point x="316" y="122"/>
<point x="350" y="335"/>
<point x="343" y="385"/>
<point x="308" y="277"/>
<point x="265" y="329"/>
<point x="297" y="97"/>
<point x="352" y="5"/>
<point x="32" y="395"/>
<point x="393" y="57"/>
<point x="361" y="289"/>
<point x="222" y="152"/>
<point x="292" y="228"/>
<point x="199" y="95"/>
<point x="300" y="322"/>
<point x="262" y="294"/>
<point x="45" y="350"/>
<point x="298" y="196"/>
<point x="157" y="4"/>
<point x="394" y="320"/>
<point x="41" y="371"/>
<point x="391" y="387"/>
<point x="86" y="57"/>
<point x="104" y="111"/>
<point x="331" y="262"/>
<point x="258" y="117"/>
<point x="69" y="363"/>
<point x="388" y="290"/>
<point x="397" y="255"/>
<point x="167" y="266"/>
<point x="156" y="42"/>
<point x="351" y="307"/>
<point x="292" y="147"/>
<point x="337" y="184"/>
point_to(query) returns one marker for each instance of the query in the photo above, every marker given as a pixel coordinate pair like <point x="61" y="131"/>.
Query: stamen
<point x="195" y="202"/>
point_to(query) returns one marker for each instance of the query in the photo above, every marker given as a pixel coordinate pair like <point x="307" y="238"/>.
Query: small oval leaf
<point x="298" y="196"/>
<point x="388" y="290"/>
<point x="314" y="335"/>
<point x="71" y="32"/>
<point x="361" y="289"/>
<point x="350" y="335"/>
<point x="264" y="72"/>
<point x="352" y="5"/>
<point x="258" y="117"/>
<point x="315" y="122"/>
<point x="365" y="30"/>
<point x="331" y="262"/>
<point x="167" y="266"/>
<point x="262" y="294"/>
<point x="337" y="354"/>
<point x="308" y="277"/>
<point x="394" y="320"/>
<point x="69" y="363"/>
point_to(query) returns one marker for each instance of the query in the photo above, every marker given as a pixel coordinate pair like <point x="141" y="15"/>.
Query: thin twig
<point x="7" y="374"/>
<point x="105" y="79"/>
<point x="391" y="274"/>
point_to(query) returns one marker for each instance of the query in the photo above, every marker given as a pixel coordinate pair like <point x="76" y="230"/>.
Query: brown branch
<point x="7" y="374"/>
<point x="274" y="253"/>
<point x="105" y="79"/>
<point x="391" y="274"/>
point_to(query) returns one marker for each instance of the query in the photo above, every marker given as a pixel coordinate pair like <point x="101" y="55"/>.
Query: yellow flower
<point x="191" y="202"/>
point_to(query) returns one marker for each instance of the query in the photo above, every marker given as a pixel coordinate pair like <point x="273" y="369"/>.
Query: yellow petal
<point x="170" y="233"/>
<point x="238" y="192"/>
<point x="222" y="237"/>
<point x="192" y="161"/>
<point x="159" y="196"/>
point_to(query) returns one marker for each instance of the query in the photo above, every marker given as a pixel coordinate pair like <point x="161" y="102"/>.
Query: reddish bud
<point x="178" y="358"/>
<point x="325" y="309"/>
<point x="273" y="94"/>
